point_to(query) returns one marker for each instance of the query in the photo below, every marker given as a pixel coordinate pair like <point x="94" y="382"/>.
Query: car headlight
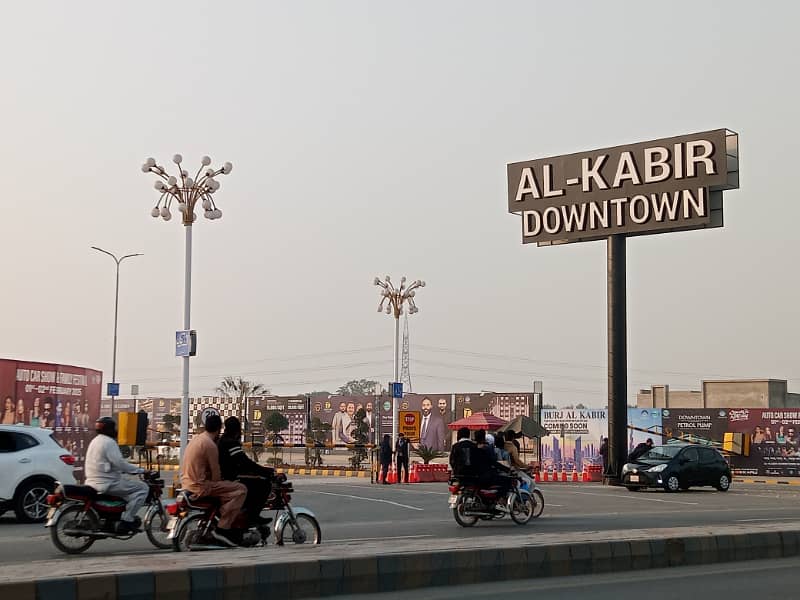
<point x="656" y="469"/>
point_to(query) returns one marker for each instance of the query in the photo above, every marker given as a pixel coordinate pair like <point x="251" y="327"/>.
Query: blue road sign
<point x="112" y="389"/>
<point x="182" y="343"/>
<point x="397" y="390"/>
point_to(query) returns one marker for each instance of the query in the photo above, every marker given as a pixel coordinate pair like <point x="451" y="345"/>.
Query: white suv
<point x="31" y="461"/>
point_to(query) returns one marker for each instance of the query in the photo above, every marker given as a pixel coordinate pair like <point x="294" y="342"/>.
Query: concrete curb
<point x="307" y="577"/>
<point x="769" y="481"/>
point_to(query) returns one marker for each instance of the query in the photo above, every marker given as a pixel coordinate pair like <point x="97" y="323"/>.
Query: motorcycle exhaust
<point x="95" y="535"/>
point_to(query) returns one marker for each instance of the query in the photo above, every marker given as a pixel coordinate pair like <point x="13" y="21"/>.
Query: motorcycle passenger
<point x="236" y="466"/>
<point x="104" y="469"/>
<point x="490" y="472"/>
<point x="513" y="451"/>
<point x="203" y="478"/>
<point x="461" y="455"/>
<point x="500" y="452"/>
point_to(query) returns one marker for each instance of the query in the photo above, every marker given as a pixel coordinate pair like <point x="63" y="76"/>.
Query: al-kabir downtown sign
<point x="650" y="187"/>
<point x="671" y="184"/>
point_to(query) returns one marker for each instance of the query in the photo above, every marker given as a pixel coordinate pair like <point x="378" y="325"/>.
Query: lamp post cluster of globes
<point x="186" y="191"/>
<point x="392" y="303"/>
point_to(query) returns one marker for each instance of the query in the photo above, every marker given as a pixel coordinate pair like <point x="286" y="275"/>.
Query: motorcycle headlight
<point x="657" y="468"/>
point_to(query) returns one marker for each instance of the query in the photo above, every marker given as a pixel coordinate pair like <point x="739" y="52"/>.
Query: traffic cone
<point x="574" y="476"/>
<point x="546" y="476"/>
<point x="392" y="477"/>
<point x="412" y="477"/>
<point x="563" y="475"/>
<point x="585" y="477"/>
<point x="537" y="478"/>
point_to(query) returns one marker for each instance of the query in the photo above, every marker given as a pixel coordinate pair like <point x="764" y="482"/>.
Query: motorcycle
<point x="192" y="520"/>
<point x="470" y="501"/>
<point x="78" y="516"/>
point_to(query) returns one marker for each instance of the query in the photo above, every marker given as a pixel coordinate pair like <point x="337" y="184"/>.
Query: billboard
<point x="576" y="434"/>
<point x="774" y="441"/>
<point x="670" y="184"/>
<point x="695" y="425"/>
<point x="294" y="408"/>
<point x="63" y="398"/>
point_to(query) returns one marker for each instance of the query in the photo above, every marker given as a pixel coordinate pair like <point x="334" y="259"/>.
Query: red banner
<point x="63" y="398"/>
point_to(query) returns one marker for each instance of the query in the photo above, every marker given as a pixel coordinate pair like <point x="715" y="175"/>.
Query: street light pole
<point x="394" y="298"/>
<point x="117" y="261"/>
<point x="186" y="192"/>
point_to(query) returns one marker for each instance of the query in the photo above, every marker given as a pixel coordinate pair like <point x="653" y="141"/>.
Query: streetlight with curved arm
<point x="116" y="312"/>
<point x="392" y="301"/>
<point x="186" y="192"/>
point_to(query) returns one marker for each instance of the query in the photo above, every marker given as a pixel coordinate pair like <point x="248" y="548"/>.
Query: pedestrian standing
<point x="401" y="456"/>
<point x="385" y="457"/>
<point x="603" y="452"/>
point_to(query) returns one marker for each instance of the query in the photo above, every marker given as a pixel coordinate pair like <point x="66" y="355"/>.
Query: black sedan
<point x="678" y="467"/>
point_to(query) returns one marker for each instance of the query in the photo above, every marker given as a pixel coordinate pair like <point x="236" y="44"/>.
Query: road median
<point x="368" y="567"/>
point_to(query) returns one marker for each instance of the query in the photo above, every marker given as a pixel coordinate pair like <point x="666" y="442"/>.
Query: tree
<point x="580" y="406"/>
<point x="315" y="441"/>
<point x="360" y="437"/>
<point x="275" y="422"/>
<point x="240" y="389"/>
<point x="320" y="393"/>
<point x="358" y="387"/>
<point x="427" y="454"/>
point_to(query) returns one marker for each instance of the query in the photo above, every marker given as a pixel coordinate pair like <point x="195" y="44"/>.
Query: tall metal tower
<point x="405" y="372"/>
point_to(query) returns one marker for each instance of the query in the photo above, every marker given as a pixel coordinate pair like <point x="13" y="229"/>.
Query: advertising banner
<point x="774" y="441"/>
<point x="575" y="437"/>
<point x="337" y="413"/>
<point x="63" y="398"/>
<point x="294" y="408"/>
<point x="576" y="434"/>
<point x="695" y="425"/>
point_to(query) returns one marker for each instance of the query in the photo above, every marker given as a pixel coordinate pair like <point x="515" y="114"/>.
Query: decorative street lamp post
<point x="186" y="192"/>
<point x="394" y="298"/>
<point x="116" y="311"/>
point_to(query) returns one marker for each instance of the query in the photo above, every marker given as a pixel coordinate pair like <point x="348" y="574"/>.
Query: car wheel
<point x="724" y="483"/>
<point x="672" y="484"/>
<point x="30" y="502"/>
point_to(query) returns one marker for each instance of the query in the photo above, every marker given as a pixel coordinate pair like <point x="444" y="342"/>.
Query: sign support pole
<point x="617" y="358"/>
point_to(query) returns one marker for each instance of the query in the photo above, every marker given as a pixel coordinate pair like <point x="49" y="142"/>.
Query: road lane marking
<point x="370" y="500"/>
<point x="623" y="496"/>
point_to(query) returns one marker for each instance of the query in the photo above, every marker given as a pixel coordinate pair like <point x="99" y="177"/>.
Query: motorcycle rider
<point x="236" y="466"/>
<point x="104" y="469"/>
<point x="461" y="455"/>
<point x="202" y="477"/>
<point x="489" y="471"/>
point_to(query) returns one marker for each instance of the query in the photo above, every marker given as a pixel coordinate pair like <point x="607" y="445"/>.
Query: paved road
<point x="354" y="509"/>
<point x="762" y="580"/>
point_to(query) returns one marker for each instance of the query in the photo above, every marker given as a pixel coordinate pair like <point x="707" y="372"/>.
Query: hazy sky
<point x="371" y="138"/>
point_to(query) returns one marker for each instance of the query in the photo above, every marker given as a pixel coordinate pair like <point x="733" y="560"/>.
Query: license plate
<point x="453" y="500"/>
<point x="171" y="523"/>
<point x="634" y="478"/>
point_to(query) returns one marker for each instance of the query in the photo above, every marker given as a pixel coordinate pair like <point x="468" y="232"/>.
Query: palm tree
<point x="236" y="387"/>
